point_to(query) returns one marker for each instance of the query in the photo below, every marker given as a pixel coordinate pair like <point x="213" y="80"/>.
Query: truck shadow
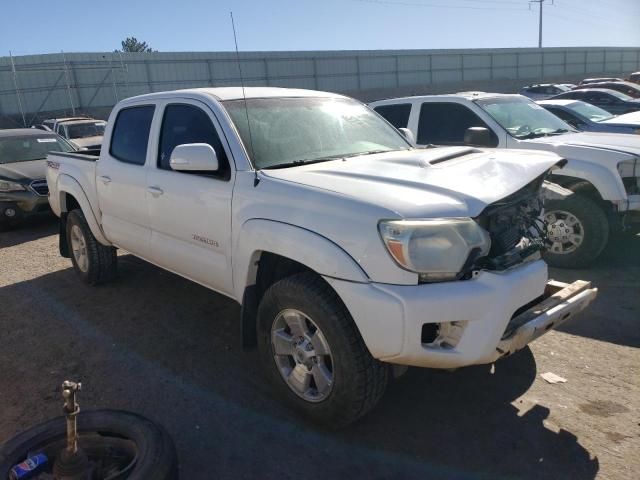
<point x="613" y="316"/>
<point x="155" y="343"/>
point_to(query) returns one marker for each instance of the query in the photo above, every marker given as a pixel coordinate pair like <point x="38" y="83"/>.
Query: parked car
<point x="589" y="118"/>
<point x="327" y="226"/>
<point x="634" y="77"/>
<point x="628" y="88"/>
<point x="609" y="100"/>
<point x="603" y="169"/>
<point x="543" y="90"/>
<point x="23" y="187"/>
<point x="587" y="81"/>
<point x="52" y="123"/>
<point x="85" y="133"/>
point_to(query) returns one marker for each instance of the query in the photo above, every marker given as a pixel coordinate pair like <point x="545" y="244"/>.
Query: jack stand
<point x="71" y="463"/>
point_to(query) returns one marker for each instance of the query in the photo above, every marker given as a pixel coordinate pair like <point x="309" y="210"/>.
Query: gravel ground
<point x="154" y="343"/>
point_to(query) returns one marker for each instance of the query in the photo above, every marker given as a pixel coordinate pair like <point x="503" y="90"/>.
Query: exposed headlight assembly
<point x="437" y="249"/>
<point x="6" y="186"/>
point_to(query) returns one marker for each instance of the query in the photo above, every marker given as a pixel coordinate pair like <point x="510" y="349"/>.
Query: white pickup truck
<point x="603" y="169"/>
<point x="349" y="250"/>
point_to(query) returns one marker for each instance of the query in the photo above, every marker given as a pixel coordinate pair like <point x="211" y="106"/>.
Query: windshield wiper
<point x="530" y="135"/>
<point x="297" y="163"/>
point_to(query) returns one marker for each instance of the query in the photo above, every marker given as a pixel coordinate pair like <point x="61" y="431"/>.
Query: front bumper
<point x="472" y="321"/>
<point x="25" y="203"/>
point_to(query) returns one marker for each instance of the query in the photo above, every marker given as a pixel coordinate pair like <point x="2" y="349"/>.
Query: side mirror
<point x="190" y="157"/>
<point x="408" y="134"/>
<point x="477" y="137"/>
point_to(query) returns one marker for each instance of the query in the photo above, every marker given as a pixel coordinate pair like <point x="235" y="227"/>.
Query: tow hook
<point x="72" y="463"/>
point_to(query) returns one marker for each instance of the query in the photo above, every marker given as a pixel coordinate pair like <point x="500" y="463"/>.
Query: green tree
<point x="132" y="44"/>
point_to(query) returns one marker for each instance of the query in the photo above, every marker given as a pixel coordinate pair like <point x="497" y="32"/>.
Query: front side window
<point x="289" y="131"/>
<point x="29" y="148"/>
<point x="188" y="124"/>
<point x="523" y="118"/>
<point x="396" y="115"/>
<point x="131" y="134"/>
<point x="447" y="123"/>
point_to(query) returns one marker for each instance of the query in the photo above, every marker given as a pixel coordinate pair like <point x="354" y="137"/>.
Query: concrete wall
<point x="38" y="86"/>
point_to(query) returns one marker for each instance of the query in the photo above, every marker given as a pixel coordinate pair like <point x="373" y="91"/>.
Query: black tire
<point x="156" y="459"/>
<point x="595" y="236"/>
<point x="359" y="380"/>
<point x="102" y="260"/>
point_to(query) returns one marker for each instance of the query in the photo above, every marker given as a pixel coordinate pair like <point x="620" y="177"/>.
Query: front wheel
<point x="314" y="354"/>
<point x="577" y="229"/>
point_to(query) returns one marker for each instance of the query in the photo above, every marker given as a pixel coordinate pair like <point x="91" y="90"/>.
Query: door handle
<point x="104" y="179"/>
<point x="155" y="191"/>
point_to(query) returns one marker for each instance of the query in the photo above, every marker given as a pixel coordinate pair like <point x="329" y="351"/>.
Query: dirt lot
<point x="157" y="344"/>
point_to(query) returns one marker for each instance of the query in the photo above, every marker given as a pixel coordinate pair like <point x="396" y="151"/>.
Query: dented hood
<point x="439" y="182"/>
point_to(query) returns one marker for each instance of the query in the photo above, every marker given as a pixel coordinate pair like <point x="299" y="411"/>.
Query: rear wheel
<point x="313" y="353"/>
<point x="578" y="230"/>
<point x="94" y="262"/>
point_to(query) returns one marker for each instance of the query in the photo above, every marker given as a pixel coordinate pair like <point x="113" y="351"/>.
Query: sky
<point x="38" y="26"/>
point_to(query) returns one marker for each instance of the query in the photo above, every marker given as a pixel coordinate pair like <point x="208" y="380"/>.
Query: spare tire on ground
<point x="119" y="444"/>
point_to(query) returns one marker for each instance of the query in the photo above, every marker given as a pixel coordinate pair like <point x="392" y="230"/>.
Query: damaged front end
<point x="516" y="228"/>
<point x="516" y="225"/>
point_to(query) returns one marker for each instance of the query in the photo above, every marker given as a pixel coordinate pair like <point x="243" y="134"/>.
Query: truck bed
<point x="76" y="168"/>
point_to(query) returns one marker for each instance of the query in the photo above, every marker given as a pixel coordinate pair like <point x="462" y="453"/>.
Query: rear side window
<point x="188" y="124"/>
<point x="396" y="115"/>
<point x="446" y="124"/>
<point x="131" y="134"/>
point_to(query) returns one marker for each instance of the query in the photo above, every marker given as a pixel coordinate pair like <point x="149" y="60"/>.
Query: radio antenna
<point x="256" y="179"/>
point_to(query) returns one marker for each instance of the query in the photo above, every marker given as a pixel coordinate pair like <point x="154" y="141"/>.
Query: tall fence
<point x="36" y="86"/>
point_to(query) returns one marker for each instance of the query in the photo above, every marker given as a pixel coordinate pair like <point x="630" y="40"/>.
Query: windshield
<point x="289" y="131"/>
<point x="25" y="149"/>
<point x="523" y="118"/>
<point x="84" y="130"/>
<point x="593" y="113"/>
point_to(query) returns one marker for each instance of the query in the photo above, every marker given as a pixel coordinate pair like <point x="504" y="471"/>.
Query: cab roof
<point x="236" y="93"/>
<point x="471" y="96"/>
<point x="559" y="102"/>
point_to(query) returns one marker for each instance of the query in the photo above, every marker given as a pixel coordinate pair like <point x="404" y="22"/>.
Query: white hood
<point x="607" y="149"/>
<point x="632" y="118"/>
<point x="88" y="141"/>
<point x="445" y="181"/>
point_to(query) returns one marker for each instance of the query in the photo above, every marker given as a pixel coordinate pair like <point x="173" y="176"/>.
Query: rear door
<point x="191" y="212"/>
<point x="121" y="180"/>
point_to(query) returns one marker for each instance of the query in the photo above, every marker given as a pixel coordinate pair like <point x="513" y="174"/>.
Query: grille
<point x="40" y="187"/>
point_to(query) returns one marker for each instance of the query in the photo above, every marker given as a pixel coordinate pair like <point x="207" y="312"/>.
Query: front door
<point x="191" y="212"/>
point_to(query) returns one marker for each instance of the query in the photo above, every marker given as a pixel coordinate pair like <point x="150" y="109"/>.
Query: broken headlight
<point x="437" y="249"/>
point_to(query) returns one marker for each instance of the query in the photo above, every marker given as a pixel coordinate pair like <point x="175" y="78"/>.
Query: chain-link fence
<point x="37" y="86"/>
